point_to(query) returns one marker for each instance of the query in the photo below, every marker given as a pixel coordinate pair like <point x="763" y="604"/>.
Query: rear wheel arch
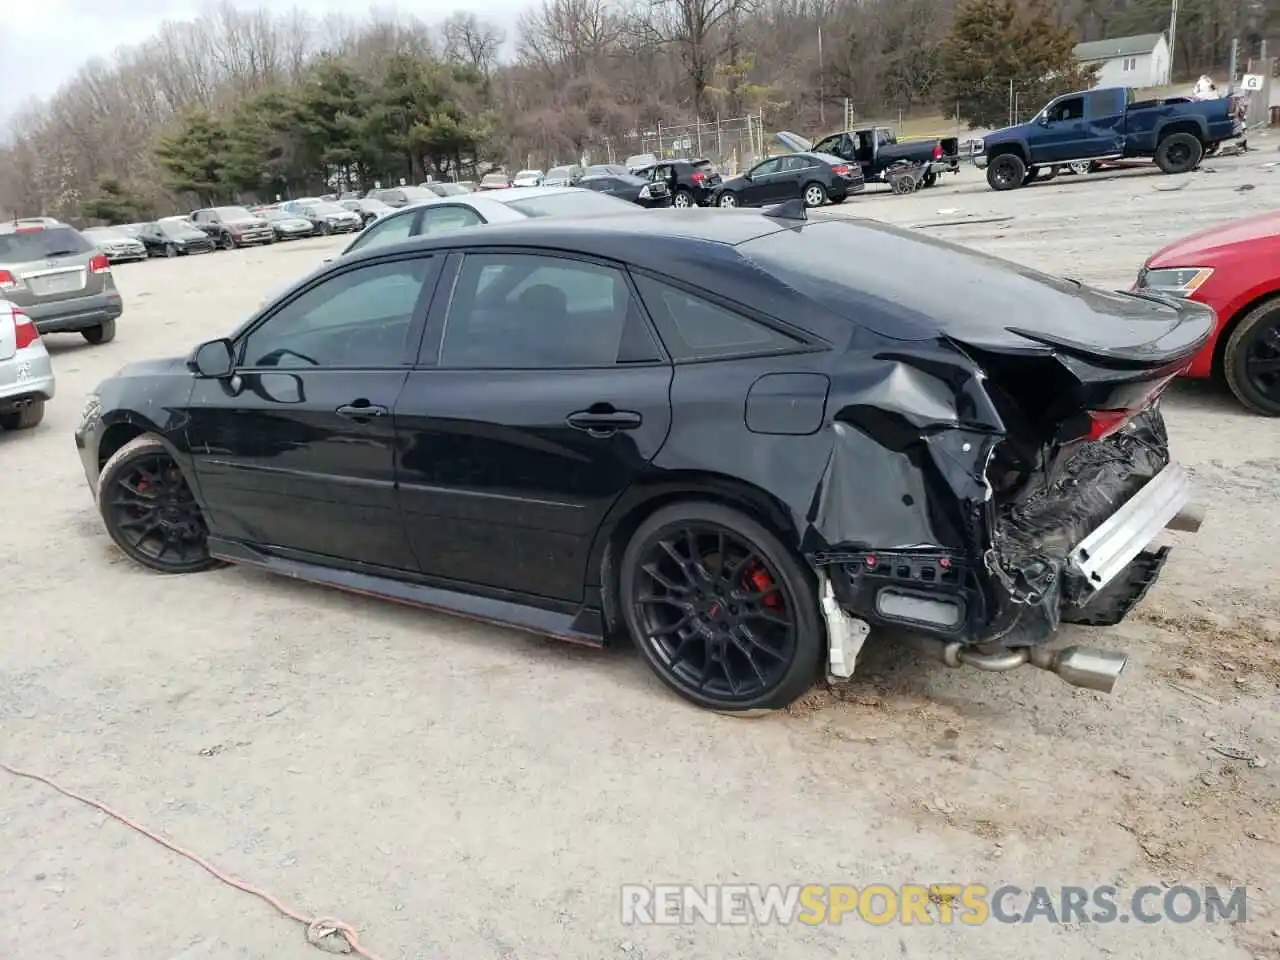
<point x="641" y="503"/>
<point x="1179" y="126"/>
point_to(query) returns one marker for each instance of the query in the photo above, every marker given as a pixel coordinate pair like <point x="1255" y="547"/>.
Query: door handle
<point x="601" y="422"/>
<point x="361" y="411"/>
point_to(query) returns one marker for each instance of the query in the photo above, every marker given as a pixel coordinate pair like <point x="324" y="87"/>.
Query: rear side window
<point x="42" y="245"/>
<point x="694" y="328"/>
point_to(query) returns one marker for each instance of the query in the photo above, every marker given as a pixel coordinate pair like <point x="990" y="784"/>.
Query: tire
<point x="683" y="200"/>
<point x="789" y="654"/>
<point x="227" y="242"/>
<point x="814" y="194"/>
<point x="104" y="332"/>
<point x="1006" y="171"/>
<point x="170" y="250"/>
<point x="125" y="508"/>
<point x="727" y="201"/>
<point x="929" y="179"/>
<point x="325" y="229"/>
<point x="1179" y="153"/>
<point x="1259" y="324"/>
<point x="24" y="419"/>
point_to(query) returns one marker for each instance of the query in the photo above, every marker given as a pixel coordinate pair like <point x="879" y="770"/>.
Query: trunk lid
<point x="793" y="141"/>
<point x="49" y="264"/>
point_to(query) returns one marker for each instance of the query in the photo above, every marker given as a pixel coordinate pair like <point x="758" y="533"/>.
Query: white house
<point x="1141" y="61"/>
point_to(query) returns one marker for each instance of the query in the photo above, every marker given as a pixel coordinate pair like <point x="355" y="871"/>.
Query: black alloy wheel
<point x="1251" y="359"/>
<point x="720" y="609"/>
<point x="1006" y="172"/>
<point x="150" y="511"/>
<point x="1179" y="153"/>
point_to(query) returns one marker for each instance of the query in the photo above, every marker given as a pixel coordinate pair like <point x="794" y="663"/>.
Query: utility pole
<point x="1235" y="56"/>
<point x="822" y="110"/>
<point x="1173" y="37"/>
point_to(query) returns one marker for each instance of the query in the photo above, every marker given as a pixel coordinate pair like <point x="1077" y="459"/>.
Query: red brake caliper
<point x="757" y="578"/>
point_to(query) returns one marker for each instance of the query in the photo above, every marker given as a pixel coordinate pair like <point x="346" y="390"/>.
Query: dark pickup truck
<point x="1109" y="123"/>
<point x="876" y="150"/>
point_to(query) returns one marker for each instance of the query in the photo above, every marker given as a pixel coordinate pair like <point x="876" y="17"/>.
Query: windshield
<point x="560" y="173"/>
<point x="277" y="215"/>
<point x="325" y="208"/>
<point x="233" y="213"/>
<point x="105" y="233"/>
<point x="41" y="244"/>
<point x="576" y="203"/>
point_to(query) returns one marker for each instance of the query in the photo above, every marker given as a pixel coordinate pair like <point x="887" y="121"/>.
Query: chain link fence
<point x="732" y="145"/>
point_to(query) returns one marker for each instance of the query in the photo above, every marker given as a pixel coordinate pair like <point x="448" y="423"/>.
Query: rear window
<point x="42" y="245"/>
<point x="706" y="167"/>
<point x="413" y="194"/>
<point x="572" y="204"/>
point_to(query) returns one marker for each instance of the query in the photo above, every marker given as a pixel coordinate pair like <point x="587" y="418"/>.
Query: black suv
<point x="690" y="182"/>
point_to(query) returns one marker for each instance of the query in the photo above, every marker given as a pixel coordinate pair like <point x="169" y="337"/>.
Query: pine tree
<point x="994" y="43"/>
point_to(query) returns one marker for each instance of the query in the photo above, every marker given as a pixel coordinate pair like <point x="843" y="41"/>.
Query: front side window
<point x="694" y="328"/>
<point x="389" y="230"/>
<point x="359" y="318"/>
<point x="767" y="168"/>
<point x="524" y="311"/>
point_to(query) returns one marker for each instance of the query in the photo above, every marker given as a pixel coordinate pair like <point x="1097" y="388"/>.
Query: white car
<point x="26" y="372"/>
<point x="528" y="178"/>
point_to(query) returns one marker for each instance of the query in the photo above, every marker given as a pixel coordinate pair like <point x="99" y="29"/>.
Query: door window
<point x="522" y="311"/>
<point x="1070" y="109"/>
<point x="796" y="164"/>
<point x="384" y="232"/>
<point x="439" y="219"/>
<point x="359" y="318"/>
<point x="767" y="168"/>
<point x="697" y="329"/>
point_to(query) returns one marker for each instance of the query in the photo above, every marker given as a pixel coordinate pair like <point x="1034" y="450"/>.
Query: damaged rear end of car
<point x="998" y="462"/>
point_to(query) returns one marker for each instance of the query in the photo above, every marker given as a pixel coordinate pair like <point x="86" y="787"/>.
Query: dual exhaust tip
<point x="1079" y="666"/>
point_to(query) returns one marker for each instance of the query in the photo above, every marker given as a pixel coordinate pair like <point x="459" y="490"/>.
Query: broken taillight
<point x="840" y="170"/>
<point x="1103" y="423"/>
<point x="937" y="151"/>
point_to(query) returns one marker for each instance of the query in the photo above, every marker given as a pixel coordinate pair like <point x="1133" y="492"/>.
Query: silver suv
<point x="59" y="279"/>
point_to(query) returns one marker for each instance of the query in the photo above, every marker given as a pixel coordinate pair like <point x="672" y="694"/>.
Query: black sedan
<point x="816" y="178"/>
<point x="174" y="237"/>
<point x="626" y="186"/>
<point x="742" y="439"/>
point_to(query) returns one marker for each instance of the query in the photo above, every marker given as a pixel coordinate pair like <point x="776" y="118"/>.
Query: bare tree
<point x="696" y="29"/>
<point x="472" y="41"/>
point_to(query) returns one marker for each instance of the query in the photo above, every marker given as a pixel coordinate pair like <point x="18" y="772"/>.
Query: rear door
<point x="1104" y="124"/>
<point x="541" y="396"/>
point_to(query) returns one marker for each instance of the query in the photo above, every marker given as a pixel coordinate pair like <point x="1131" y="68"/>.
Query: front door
<point x="1062" y="137"/>
<point x="760" y="186"/>
<point x="548" y="397"/>
<point x="296" y="451"/>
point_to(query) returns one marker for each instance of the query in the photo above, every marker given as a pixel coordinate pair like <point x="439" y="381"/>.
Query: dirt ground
<point x="460" y="791"/>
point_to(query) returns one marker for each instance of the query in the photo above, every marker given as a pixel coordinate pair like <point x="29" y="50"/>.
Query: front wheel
<point x="720" y="609"/>
<point x="815" y="195"/>
<point x="727" y="201"/>
<point x="150" y="511"/>
<point x="1179" y="153"/>
<point x="104" y="332"/>
<point x="227" y="242"/>
<point x="170" y="250"/>
<point x="325" y="229"/>
<point x="1006" y="172"/>
<point x="1251" y="359"/>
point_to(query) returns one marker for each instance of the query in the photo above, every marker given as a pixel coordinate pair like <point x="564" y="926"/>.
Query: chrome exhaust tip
<point x="1082" y="666"/>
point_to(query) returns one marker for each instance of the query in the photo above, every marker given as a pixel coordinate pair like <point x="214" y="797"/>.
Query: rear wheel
<point x="1251" y="359"/>
<point x="815" y="195"/>
<point x="727" y="200"/>
<point x="1006" y="172"/>
<point x="150" y="511"/>
<point x="929" y="180"/>
<point x="720" y="609"/>
<point x="24" y="419"/>
<point x="326" y="229"/>
<point x="683" y="200"/>
<point x="1179" y="153"/>
<point x="104" y="332"/>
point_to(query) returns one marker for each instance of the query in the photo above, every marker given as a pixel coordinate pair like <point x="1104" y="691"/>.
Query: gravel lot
<point x="460" y="791"/>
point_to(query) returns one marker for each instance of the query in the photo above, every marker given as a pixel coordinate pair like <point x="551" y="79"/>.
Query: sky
<point x="49" y="40"/>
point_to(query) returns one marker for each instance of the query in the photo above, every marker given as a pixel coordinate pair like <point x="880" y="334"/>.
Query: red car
<point x="1234" y="268"/>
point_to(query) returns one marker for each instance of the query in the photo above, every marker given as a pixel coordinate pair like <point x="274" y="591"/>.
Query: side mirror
<point x="1043" y="120"/>
<point x="213" y="360"/>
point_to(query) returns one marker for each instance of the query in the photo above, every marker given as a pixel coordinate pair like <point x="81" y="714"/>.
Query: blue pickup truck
<point x="1109" y="123"/>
